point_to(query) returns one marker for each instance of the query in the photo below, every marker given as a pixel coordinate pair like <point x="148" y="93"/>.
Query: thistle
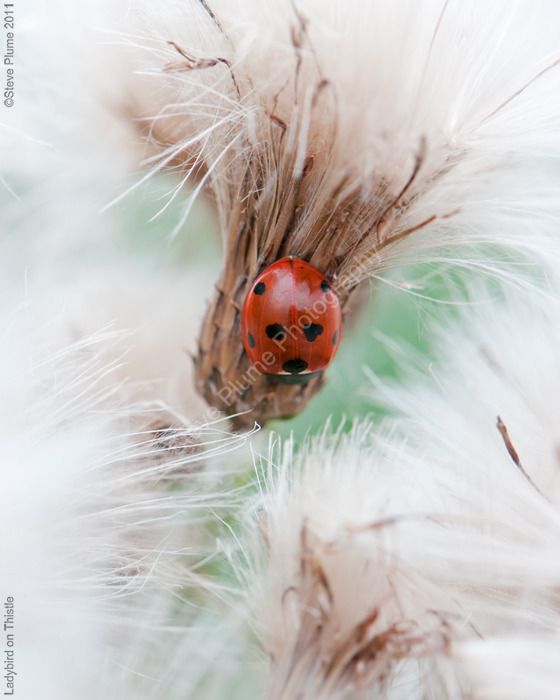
<point x="354" y="139"/>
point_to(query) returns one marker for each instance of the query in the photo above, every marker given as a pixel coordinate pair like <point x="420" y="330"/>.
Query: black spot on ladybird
<point x="312" y="331"/>
<point x="295" y="366"/>
<point x="335" y="338"/>
<point x="325" y="286"/>
<point x="275" y="331"/>
<point x="250" y="340"/>
<point x="259" y="288"/>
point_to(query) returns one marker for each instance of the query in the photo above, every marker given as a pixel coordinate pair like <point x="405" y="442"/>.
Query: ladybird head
<point x="291" y="321"/>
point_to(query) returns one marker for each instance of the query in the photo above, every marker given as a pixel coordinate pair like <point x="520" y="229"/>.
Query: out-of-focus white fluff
<point x="104" y="515"/>
<point x="351" y="604"/>
<point x="503" y="362"/>
<point x="113" y="487"/>
<point x="418" y="558"/>
<point x="108" y="516"/>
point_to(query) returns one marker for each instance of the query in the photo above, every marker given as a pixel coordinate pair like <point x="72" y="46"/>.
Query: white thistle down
<point x="355" y="137"/>
<point x="349" y="98"/>
<point x="421" y="558"/>
<point x="104" y="513"/>
<point x="111" y="472"/>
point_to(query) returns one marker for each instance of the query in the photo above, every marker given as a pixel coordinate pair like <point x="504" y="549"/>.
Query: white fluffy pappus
<point x="113" y="479"/>
<point x="495" y="417"/>
<point x="350" y="606"/>
<point x="383" y="116"/>
<point x="105" y="514"/>
<point x="419" y="557"/>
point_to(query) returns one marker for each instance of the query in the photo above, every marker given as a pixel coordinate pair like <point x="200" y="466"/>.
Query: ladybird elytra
<point x="291" y="321"/>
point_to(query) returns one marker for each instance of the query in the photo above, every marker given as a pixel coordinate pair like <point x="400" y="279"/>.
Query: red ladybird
<point x="291" y="321"/>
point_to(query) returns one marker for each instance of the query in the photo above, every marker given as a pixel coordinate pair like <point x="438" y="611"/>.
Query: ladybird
<point x="291" y="321"/>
